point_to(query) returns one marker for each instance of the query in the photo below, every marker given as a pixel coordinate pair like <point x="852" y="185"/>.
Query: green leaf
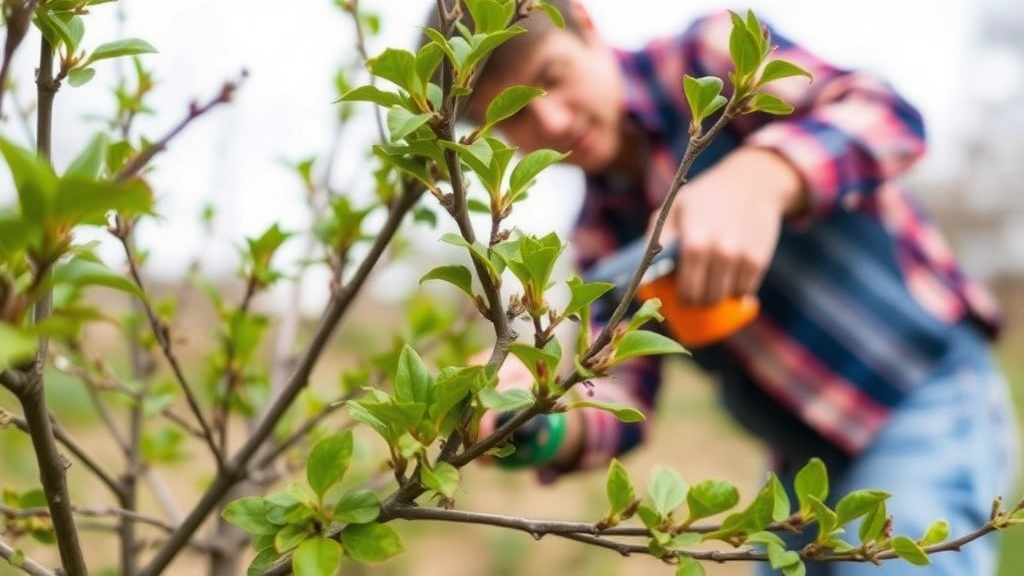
<point x="81" y="272"/>
<point x="475" y="250"/>
<point x="583" y="294"/>
<point x="117" y="48"/>
<point x="667" y="490"/>
<point x="769" y="103"/>
<point x="908" y="550"/>
<point x="17" y="346"/>
<point x="328" y="461"/>
<point x="402" y="122"/>
<point x="535" y="359"/>
<point x="55" y="29"/>
<point x="397" y="66"/>
<point x="710" y="497"/>
<point x="86" y="201"/>
<point x="811" y="480"/>
<point x="858" y="503"/>
<point x="33" y="179"/>
<point x="874" y="522"/>
<point x="766" y="537"/>
<point x="80" y="76"/>
<point x="689" y="566"/>
<point x="645" y="343"/>
<point x="455" y="274"/>
<point x="484" y="44"/>
<point x="781" y="508"/>
<point x="33" y="499"/>
<point x="489" y="15"/>
<point x="263" y="560"/>
<point x="91" y="160"/>
<point x="413" y="382"/>
<point x="937" y="532"/>
<point x="317" y="557"/>
<point x="510" y="101"/>
<point x="553" y="13"/>
<point x="826" y="518"/>
<point x="371" y="542"/>
<point x="289" y="537"/>
<point x="357" y="507"/>
<point x="15" y="233"/>
<point x="506" y="400"/>
<point x="623" y="412"/>
<point x="370" y="93"/>
<point x="250" y="514"/>
<point x="454" y="384"/>
<point x="704" y="96"/>
<point x="443" y="479"/>
<point x="779" y="69"/>
<point x="428" y="58"/>
<point x="649" y="311"/>
<point x="528" y="168"/>
<point x="795" y="570"/>
<point x="779" y="557"/>
<point x="619" y="488"/>
<point x="743" y="48"/>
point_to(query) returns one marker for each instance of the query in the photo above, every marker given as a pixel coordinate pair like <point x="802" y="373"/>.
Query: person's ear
<point x="582" y="17"/>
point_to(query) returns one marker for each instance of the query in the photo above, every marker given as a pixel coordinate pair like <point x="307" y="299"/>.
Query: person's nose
<point x="552" y="117"/>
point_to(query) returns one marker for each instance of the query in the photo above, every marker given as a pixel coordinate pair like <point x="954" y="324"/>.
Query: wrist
<point x="546" y="440"/>
<point x="773" y="174"/>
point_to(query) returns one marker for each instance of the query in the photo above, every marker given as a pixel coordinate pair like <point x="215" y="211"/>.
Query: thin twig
<point x="693" y="149"/>
<point x="233" y="375"/>
<point x="161" y="333"/>
<point x="301" y="432"/>
<point x="235" y="469"/>
<point x="72" y="447"/>
<point x="17" y="17"/>
<point x="353" y="9"/>
<point x="24" y="563"/>
<point x="195" y="110"/>
<point x="90" y="512"/>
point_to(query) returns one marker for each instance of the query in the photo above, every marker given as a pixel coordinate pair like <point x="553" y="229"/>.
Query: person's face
<point x="581" y="111"/>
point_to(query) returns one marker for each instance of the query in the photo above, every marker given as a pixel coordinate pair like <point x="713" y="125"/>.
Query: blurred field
<point x="691" y="436"/>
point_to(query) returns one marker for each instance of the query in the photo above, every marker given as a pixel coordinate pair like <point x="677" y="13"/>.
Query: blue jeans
<point x="949" y="449"/>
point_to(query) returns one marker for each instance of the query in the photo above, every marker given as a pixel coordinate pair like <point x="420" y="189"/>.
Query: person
<point x="872" y="349"/>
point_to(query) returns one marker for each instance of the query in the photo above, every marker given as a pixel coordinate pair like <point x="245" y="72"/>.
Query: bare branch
<point x="17" y="17"/>
<point x="353" y="9"/>
<point x="26" y="565"/>
<point x="72" y="447"/>
<point x="90" y="512"/>
<point x="195" y="111"/>
<point x="161" y="333"/>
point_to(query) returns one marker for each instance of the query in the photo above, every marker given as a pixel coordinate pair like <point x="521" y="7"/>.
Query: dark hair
<point x="536" y="22"/>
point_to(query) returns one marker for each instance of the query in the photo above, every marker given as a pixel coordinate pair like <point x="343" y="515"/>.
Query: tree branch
<point x="26" y="565"/>
<point x="235" y="469"/>
<point x="694" y="148"/>
<point x="195" y="111"/>
<point x="353" y="8"/>
<point x="161" y="333"/>
<point x="71" y="446"/>
<point x="90" y="512"/>
<point x="17" y="17"/>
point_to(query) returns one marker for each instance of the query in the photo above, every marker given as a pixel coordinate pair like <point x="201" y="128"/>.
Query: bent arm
<point x="850" y="131"/>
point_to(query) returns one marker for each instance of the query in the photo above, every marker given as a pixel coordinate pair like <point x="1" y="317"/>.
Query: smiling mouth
<point x="580" y="141"/>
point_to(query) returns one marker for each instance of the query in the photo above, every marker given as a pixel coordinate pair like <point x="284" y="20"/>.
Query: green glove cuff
<point x="541" y="447"/>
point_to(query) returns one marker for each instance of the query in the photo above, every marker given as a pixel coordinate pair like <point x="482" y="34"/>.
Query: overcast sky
<point x="234" y="158"/>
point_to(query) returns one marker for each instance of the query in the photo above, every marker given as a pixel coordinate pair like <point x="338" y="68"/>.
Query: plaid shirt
<point x="861" y="293"/>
